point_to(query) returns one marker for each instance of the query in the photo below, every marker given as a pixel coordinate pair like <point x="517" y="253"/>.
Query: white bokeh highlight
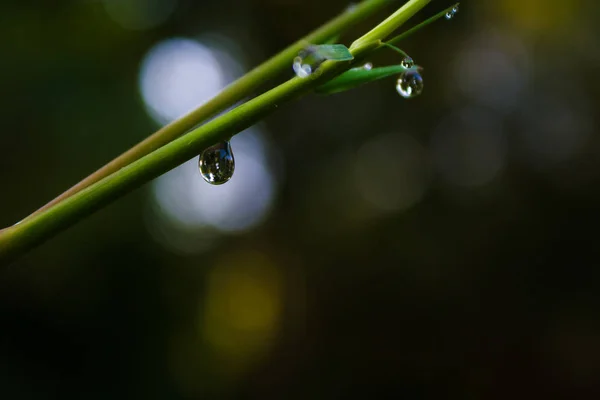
<point x="187" y="214"/>
<point x="240" y="204"/>
<point x="177" y="75"/>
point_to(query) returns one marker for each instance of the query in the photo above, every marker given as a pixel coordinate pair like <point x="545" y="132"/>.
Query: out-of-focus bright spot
<point x="492" y="70"/>
<point x="540" y="17"/>
<point x="140" y="14"/>
<point x="187" y="204"/>
<point x="469" y="147"/>
<point x="243" y="307"/>
<point x="392" y="172"/>
<point x="230" y="54"/>
<point x="177" y="75"/>
<point x="554" y="129"/>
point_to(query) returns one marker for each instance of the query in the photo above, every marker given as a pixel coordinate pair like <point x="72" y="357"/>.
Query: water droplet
<point x="450" y="14"/>
<point x="366" y="67"/>
<point x="301" y="70"/>
<point x="217" y="164"/>
<point x="407" y="62"/>
<point x="309" y="59"/>
<point x="410" y="84"/>
<point x="351" y="8"/>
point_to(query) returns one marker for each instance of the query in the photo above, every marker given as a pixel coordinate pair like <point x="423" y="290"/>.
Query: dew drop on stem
<point x="451" y="13"/>
<point x="408" y="62"/>
<point x="217" y="164"/>
<point x="301" y="70"/>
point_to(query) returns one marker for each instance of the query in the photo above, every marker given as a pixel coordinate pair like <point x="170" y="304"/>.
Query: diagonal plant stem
<point x="397" y="50"/>
<point x="423" y="24"/>
<point x="32" y="231"/>
<point x="237" y="91"/>
<point x="393" y="22"/>
<point x="18" y="239"/>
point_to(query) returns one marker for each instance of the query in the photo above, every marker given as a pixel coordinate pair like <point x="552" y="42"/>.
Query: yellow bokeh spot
<point x="243" y="307"/>
<point x="540" y="17"/>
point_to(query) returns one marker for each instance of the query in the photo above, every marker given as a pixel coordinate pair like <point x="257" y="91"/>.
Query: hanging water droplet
<point x="217" y="164"/>
<point x="410" y="84"/>
<point x="450" y="14"/>
<point x="407" y="62"/>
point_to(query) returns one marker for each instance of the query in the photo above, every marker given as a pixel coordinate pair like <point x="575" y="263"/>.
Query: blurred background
<point x="367" y="245"/>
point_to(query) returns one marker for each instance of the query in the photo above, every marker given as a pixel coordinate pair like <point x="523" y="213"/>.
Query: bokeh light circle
<point x="392" y="172"/>
<point x="183" y="202"/>
<point x="178" y="75"/>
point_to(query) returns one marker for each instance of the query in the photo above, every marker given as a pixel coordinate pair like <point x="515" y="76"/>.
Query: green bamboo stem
<point x="393" y="22"/>
<point x="237" y="91"/>
<point x="18" y="239"/>
<point x="32" y="231"/>
<point x="420" y="26"/>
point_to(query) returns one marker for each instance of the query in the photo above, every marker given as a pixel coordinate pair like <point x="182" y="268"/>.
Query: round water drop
<point x="407" y="62"/>
<point x="450" y="14"/>
<point x="301" y="70"/>
<point x="410" y="84"/>
<point x="368" y="66"/>
<point x="217" y="164"/>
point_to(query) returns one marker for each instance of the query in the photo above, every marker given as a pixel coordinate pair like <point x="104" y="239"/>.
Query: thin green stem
<point x="397" y="50"/>
<point x="420" y="26"/>
<point x="393" y="22"/>
<point x="237" y="91"/>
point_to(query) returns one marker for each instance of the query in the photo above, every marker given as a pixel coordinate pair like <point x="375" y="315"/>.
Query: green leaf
<point x="358" y="76"/>
<point x="335" y="52"/>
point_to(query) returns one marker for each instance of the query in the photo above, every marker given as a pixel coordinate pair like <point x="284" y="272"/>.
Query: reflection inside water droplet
<point x="410" y="84"/>
<point x="217" y="164"/>
<point x="307" y="62"/>
<point x="450" y="14"/>
<point x="407" y="62"/>
<point x="301" y="70"/>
